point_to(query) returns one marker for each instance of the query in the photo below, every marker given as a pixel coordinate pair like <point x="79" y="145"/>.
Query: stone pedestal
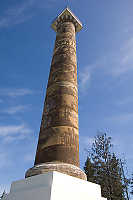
<point x="64" y="168"/>
<point x="54" y="186"/>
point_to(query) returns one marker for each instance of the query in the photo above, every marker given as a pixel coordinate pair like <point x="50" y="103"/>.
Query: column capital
<point x="67" y="16"/>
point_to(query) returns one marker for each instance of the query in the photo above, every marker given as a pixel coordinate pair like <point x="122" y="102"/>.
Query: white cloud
<point x="118" y="61"/>
<point x="17" y="14"/>
<point x="3" y="159"/>
<point x="84" y="79"/>
<point x="124" y="61"/>
<point x="86" y="141"/>
<point x="15" y="92"/>
<point x="125" y="101"/>
<point x="16" y="109"/>
<point x="14" y="132"/>
<point x="4" y="187"/>
<point x="127" y="117"/>
<point x="22" y="12"/>
<point x="5" y="162"/>
<point x="122" y="118"/>
<point x="29" y="157"/>
<point x="20" y="8"/>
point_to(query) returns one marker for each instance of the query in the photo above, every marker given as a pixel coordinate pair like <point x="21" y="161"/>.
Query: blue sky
<point x="105" y="71"/>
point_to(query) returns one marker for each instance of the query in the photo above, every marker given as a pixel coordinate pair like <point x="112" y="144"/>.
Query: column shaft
<point x="58" y="138"/>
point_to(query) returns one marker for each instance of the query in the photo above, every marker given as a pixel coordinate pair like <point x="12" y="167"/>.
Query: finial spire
<point x="67" y="3"/>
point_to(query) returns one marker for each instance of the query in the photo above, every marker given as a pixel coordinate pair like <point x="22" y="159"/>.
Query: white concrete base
<point x="54" y="186"/>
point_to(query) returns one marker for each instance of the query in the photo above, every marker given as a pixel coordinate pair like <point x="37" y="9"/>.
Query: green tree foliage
<point x="126" y="181"/>
<point x="132" y="185"/>
<point x="103" y="167"/>
<point x="3" y="196"/>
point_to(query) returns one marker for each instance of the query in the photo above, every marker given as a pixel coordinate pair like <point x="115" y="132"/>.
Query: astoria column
<point x="58" y="143"/>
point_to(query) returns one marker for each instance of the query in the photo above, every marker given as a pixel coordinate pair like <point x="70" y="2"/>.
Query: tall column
<point x="59" y="140"/>
<point x="58" y="144"/>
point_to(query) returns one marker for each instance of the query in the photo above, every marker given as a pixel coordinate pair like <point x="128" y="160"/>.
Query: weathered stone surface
<point x="59" y="140"/>
<point x="59" y="167"/>
<point x="59" y="136"/>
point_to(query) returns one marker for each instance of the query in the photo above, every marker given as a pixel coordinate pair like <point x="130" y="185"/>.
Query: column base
<point x="64" y="168"/>
<point x="54" y="186"/>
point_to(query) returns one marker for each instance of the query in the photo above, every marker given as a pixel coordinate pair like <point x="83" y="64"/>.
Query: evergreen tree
<point x="126" y="181"/>
<point x="3" y="196"/>
<point x="103" y="167"/>
<point x="132" y="185"/>
<point x="89" y="170"/>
